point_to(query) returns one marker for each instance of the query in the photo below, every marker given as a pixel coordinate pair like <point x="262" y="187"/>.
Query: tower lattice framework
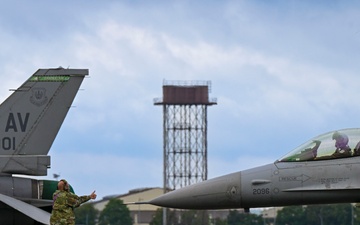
<point x="185" y="132"/>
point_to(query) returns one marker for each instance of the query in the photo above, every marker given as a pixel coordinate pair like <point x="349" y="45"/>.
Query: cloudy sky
<point x="282" y="72"/>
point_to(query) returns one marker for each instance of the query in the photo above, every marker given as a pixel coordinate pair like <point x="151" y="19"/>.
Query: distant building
<point x="144" y="213"/>
<point x="141" y="214"/>
<point x="269" y="215"/>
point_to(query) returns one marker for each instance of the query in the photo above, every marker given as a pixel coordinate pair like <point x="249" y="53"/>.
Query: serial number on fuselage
<point x="261" y="191"/>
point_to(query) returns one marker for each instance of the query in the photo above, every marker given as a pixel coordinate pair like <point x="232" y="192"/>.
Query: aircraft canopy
<point x="331" y="145"/>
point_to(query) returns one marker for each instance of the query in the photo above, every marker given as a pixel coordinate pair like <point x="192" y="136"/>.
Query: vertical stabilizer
<point x="31" y="117"/>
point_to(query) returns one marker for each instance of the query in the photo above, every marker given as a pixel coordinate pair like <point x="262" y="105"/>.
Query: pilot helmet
<point x="341" y="140"/>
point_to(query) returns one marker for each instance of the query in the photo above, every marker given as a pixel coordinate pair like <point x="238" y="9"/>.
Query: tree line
<point x="116" y="213"/>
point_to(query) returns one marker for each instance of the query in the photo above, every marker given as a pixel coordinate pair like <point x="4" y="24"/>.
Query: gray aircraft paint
<point x="30" y="119"/>
<point x="310" y="174"/>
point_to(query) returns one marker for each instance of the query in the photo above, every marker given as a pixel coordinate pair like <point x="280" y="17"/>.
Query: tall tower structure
<point x="185" y="131"/>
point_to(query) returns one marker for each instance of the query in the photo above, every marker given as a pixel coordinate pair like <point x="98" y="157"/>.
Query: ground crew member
<point x="64" y="203"/>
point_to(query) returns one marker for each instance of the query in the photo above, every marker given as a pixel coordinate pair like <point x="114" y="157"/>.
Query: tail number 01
<point x="8" y="143"/>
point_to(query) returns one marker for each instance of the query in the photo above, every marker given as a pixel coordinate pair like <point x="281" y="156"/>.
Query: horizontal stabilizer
<point x="25" y="164"/>
<point x="27" y="209"/>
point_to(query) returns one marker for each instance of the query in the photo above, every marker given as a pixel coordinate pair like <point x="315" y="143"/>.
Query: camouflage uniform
<point x="63" y="207"/>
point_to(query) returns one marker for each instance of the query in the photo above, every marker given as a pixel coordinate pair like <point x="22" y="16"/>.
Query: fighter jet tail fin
<point x="31" y="117"/>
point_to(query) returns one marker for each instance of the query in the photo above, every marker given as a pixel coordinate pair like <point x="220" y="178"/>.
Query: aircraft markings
<point x="232" y="192"/>
<point x="333" y="180"/>
<point x="261" y="191"/>
<point x="303" y="178"/>
<point x="12" y="124"/>
<point x="16" y="122"/>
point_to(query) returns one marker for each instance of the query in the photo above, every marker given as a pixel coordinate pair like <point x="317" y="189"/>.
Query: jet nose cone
<point x="218" y="193"/>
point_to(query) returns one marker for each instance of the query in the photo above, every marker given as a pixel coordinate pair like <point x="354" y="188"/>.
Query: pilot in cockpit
<point x="341" y="144"/>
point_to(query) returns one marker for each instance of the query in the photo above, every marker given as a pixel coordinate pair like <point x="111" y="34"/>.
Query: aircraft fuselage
<point x="314" y="173"/>
<point x="277" y="184"/>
